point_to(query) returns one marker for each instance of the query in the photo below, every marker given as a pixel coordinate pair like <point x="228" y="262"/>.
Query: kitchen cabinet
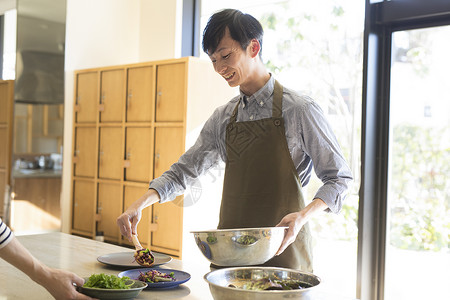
<point x="6" y="121"/>
<point x="144" y="114"/>
<point x="36" y="194"/>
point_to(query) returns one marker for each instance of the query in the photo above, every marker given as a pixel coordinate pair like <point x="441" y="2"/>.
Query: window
<point x="403" y="220"/>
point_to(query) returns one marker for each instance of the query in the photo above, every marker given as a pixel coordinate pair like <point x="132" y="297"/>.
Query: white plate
<point x="126" y="259"/>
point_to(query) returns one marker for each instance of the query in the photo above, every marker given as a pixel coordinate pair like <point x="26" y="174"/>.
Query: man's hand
<point x="129" y="220"/>
<point x="296" y="220"/>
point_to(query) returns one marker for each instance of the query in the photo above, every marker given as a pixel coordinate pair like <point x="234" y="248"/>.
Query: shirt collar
<point x="261" y="96"/>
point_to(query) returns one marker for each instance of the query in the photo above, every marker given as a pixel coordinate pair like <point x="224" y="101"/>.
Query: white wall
<point x="112" y="32"/>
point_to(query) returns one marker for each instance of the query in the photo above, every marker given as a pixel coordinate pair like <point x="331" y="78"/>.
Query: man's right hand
<point x="129" y="220"/>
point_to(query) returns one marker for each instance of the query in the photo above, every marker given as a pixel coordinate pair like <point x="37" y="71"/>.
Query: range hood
<point x="40" y="52"/>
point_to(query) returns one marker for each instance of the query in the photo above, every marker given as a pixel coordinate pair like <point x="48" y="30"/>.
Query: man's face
<point x="231" y="61"/>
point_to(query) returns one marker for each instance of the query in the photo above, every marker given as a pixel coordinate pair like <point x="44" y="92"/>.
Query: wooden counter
<point x="79" y="255"/>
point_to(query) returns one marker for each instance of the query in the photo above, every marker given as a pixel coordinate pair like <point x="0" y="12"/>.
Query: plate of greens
<point x="157" y="277"/>
<point x="102" y="286"/>
<point x="126" y="259"/>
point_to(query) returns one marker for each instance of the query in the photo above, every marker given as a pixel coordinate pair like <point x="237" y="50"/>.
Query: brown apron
<point x="261" y="185"/>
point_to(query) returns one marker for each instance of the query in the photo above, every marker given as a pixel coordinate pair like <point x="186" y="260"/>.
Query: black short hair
<point x="243" y="28"/>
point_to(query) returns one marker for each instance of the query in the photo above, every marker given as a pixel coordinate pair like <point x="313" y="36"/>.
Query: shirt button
<point x="251" y="117"/>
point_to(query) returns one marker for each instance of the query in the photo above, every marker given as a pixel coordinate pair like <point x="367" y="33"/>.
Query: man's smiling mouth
<point x="228" y="76"/>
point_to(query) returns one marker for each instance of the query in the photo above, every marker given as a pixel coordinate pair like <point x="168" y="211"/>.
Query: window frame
<point x="190" y="33"/>
<point x="381" y="20"/>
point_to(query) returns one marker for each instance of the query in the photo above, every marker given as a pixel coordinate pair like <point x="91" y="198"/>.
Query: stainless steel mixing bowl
<point x="219" y="281"/>
<point x="239" y="247"/>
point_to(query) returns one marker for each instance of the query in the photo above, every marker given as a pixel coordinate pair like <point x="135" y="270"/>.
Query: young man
<point x="59" y="283"/>
<point x="269" y="137"/>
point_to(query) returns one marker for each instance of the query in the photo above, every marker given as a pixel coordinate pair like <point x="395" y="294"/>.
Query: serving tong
<point x="143" y="256"/>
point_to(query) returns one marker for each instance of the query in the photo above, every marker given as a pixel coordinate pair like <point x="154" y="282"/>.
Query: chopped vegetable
<point x="103" y="281"/>
<point x="144" y="257"/>
<point x="211" y="239"/>
<point x="153" y="276"/>
<point x="246" y="240"/>
<point x="266" y="284"/>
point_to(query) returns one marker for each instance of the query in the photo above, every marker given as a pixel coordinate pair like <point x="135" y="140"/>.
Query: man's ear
<point x="254" y="48"/>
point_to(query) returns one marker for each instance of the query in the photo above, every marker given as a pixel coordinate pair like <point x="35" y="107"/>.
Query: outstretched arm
<point x="129" y="220"/>
<point x="59" y="283"/>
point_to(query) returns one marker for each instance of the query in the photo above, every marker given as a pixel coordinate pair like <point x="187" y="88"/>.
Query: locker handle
<point x="158" y="97"/>
<point x="75" y="156"/>
<point x="130" y="95"/>
<point x="127" y="162"/>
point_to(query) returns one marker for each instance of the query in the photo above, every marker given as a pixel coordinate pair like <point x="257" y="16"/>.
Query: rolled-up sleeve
<point x="194" y="162"/>
<point x="6" y="235"/>
<point x="321" y="146"/>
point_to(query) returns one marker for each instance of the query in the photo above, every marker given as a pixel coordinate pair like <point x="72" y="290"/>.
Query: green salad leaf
<point x="103" y="281"/>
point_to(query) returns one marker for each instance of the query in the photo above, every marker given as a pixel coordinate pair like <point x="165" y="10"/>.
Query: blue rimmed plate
<point x="180" y="277"/>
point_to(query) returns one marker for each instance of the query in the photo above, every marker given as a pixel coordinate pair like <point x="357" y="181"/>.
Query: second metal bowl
<point x="224" y="283"/>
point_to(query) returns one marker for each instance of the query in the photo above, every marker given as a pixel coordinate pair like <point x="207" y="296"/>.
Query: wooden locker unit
<point x="167" y="215"/>
<point x="110" y="162"/>
<point x="143" y="112"/>
<point x="83" y="213"/>
<point x="170" y="93"/>
<point x="169" y="146"/>
<point x="85" y="151"/>
<point x="86" y="99"/>
<point x="140" y="93"/>
<point x="6" y="131"/>
<point x="109" y="207"/>
<point x="111" y="95"/>
<point x="138" y="154"/>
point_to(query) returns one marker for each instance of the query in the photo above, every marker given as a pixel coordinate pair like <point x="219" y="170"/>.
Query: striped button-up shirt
<point x="310" y="139"/>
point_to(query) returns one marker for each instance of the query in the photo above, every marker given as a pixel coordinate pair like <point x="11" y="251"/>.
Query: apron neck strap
<point x="276" y="106"/>
<point x="277" y="97"/>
